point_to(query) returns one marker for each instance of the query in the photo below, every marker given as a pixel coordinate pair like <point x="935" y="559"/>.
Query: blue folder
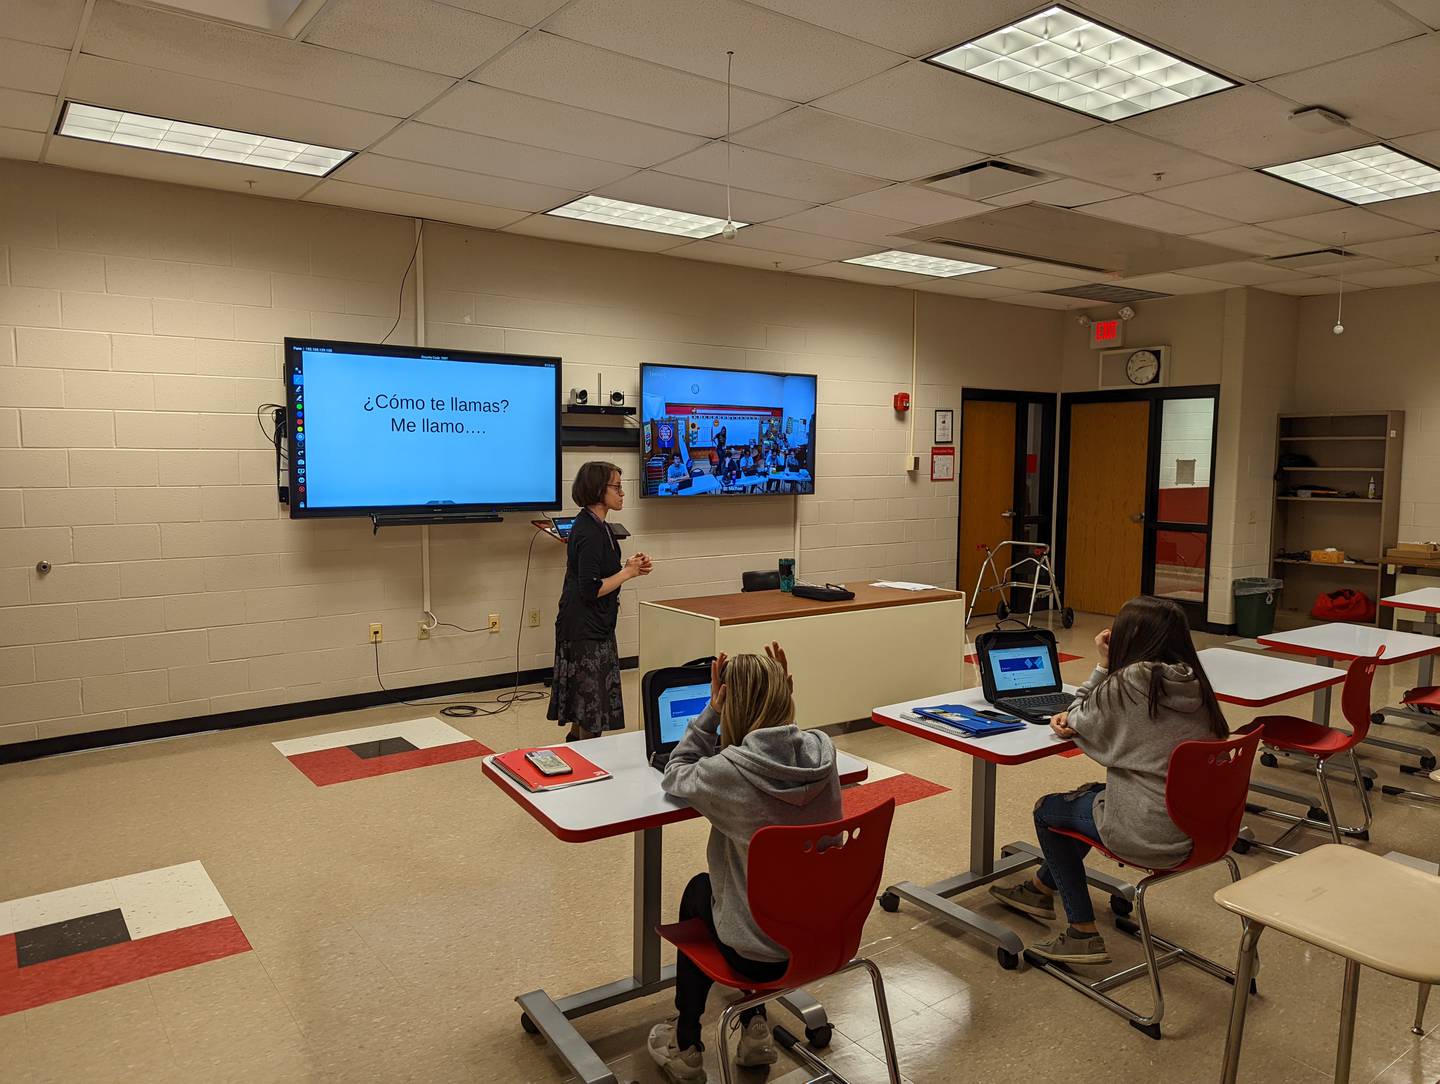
<point x="967" y="720"/>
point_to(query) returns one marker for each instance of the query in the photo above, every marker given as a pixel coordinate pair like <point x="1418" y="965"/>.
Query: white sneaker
<point x="681" y="1066"/>
<point x="757" y="1048"/>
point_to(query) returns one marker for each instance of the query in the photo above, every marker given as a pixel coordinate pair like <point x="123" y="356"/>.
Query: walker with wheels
<point x="1033" y="572"/>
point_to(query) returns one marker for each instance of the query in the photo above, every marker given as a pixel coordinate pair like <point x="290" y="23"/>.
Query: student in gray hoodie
<point x="1148" y="695"/>
<point x="744" y="765"/>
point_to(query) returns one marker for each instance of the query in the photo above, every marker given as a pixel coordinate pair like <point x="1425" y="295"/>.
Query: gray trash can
<point x="1255" y="599"/>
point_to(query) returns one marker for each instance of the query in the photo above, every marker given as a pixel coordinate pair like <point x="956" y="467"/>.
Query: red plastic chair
<point x="811" y="889"/>
<point x="1290" y="734"/>
<point x="1206" y="785"/>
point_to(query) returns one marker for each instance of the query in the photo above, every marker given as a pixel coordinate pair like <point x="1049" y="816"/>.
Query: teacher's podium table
<point x="885" y="645"/>
<point x="630" y="802"/>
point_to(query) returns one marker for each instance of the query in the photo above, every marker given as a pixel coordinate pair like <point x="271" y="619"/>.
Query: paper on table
<point x="904" y="585"/>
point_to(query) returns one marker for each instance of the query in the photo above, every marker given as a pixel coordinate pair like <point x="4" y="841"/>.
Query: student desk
<point x="885" y="644"/>
<point x="1016" y="747"/>
<point x="1427" y="601"/>
<point x="1340" y="641"/>
<point x="629" y="803"/>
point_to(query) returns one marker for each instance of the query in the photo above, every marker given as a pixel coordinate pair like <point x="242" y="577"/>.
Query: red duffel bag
<point x="1345" y="605"/>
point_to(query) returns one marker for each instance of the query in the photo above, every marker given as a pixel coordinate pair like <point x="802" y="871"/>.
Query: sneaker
<point x="1025" y="898"/>
<point x="1073" y="947"/>
<point x="680" y="1066"/>
<point x="757" y="1048"/>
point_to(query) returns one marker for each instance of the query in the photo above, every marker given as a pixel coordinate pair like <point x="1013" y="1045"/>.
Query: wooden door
<point x="987" y="488"/>
<point x="1105" y="539"/>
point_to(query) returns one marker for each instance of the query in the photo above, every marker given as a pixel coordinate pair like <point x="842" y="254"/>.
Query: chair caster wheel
<point x="1008" y="960"/>
<point x="1269" y="760"/>
<point x="889" y="903"/>
<point x="1152" y="1030"/>
<point x="1378" y="718"/>
<point x="1427" y="764"/>
<point x="1367" y="782"/>
<point x="1392" y="791"/>
<point x="1315" y="813"/>
<point x="1067" y="617"/>
<point x="527" y="1025"/>
<point x="1121" y="906"/>
<point x="1001" y="611"/>
<point x="1363" y="837"/>
<point x="1241" y="846"/>
<point x="819" y="1037"/>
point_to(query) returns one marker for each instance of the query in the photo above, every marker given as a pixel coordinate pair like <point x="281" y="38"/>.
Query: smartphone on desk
<point x="995" y="716"/>
<point x="548" y="762"/>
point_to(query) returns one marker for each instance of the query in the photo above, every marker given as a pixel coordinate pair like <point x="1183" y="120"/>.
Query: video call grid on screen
<point x="400" y="429"/>
<point x="690" y="416"/>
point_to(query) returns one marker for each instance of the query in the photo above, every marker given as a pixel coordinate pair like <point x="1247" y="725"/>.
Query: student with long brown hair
<point x="1148" y="695"/>
<point x="745" y="765"/>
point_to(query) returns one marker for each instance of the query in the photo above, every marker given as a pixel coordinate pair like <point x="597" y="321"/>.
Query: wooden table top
<point x="744" y="607"/>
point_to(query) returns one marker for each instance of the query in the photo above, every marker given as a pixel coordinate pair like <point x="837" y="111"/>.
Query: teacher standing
<point x="585" y="694"/>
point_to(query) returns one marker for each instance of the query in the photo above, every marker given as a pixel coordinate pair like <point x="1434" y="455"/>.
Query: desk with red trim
<point x="1015" y="747"/>
<point x="631" y="802"/>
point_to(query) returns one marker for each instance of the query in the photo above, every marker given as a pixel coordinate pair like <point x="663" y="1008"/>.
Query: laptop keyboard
<point x="1041" y="703"/>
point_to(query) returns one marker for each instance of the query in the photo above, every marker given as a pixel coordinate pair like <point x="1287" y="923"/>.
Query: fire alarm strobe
<point x="902" y="402"/>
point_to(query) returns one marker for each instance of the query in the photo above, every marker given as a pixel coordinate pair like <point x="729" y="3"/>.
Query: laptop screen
<point x="679" y="706"/>
<point x="1020" y="669"/>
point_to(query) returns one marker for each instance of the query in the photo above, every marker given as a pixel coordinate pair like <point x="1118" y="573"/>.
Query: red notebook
<point x="531" y="778"/>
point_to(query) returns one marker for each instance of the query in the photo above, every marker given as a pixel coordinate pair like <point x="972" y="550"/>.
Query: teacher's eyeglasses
<point x="616" y="486"/>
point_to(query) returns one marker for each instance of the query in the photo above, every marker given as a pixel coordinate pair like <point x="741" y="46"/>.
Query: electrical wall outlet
<point x="494" y="622"/>
<point x="422" y="631"/>
<point x="377" y="633"/>
<point x="534" y="619"/>
<point x="1252" y="515"/>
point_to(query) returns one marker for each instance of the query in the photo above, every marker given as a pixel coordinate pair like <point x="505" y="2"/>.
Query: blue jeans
<point x="1064" y="866"/>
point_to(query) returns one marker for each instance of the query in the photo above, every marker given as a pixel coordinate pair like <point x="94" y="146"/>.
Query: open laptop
<point x="1020" y="673"/>
<point x="671" y="698"/>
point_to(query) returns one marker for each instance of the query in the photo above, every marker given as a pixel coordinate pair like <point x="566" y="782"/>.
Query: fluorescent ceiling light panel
<point x="915" y="264"/>
<point x="104" y="125"/>
<point x="1366" y="175"/>
<point x="1062" y="57"/>
<point x="639" y="216"/>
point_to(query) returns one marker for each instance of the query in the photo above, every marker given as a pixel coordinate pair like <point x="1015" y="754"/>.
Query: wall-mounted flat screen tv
<point x="410" y="430"/>
<point x="726" y="432"/>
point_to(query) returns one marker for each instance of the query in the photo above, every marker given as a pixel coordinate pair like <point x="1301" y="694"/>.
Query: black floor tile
<point x="382" y="748"/>
<point x="74" y="935"/>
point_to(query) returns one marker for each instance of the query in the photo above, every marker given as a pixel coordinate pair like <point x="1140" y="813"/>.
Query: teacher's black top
<point x="591" y="555"/>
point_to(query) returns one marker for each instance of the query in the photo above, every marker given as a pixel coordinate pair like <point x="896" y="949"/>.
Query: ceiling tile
<point x="1070" y="274"/>
<point x="175" y="168"/>
<point x="344" y="194"/>
<point x="524" y="12"/>
<point x="773" y="54"/>
<point x="800" y="244"/>
<point x="1249" y="126"/>
<point x="1243" y="273"/>
<point x="1013" y="279"/>
<point x="1353" y="224"/>
<point x="1418" y="210"/>
<point x="1346" y="266"/>
<point x="1170" y="283"/>
<point x="1424" y="145"/>
<point x="421" y="34"/>
<point x="930" y="101"/>
<point x="1156" y="215"/>
<point x="1047" y="301"/>
<point x="700" y="197"/>
<point x="25" y="66"/>
<point x="402" y="176"/>
<point x="45" y="22"/>
<point x="27" y="110"/>
<point x="963" y="286"/>
<point x="850" y="144"/>
<point x="247" y="58"/>
<point x="1390" y="91"/>
<point x="1254" y="239"/>
<point x="851" y="225"/>
<point x="1256" y="40"/>
<point x="594" y="233"/>
<point x="1121" y="159"/>
<point x="1062" y="193"/>
<point x="1396" y="276"/>
<point x="520" y="119"/>
<point x="1309" y="287"/>
<point x="498" y="158"/>
<point x="1248" y="197"/>
<point x="724" y="252"/>
<point x="1427" y="11"/>
<point x="99" y="81"/>
<point x="912" y="27"/>
<point x="854" y="272"/>
<point x="912" y="204"/>
<point x="17" y="144"/>
<point x="1407" y="251"/>
<point x="561" y="70"/>
<point x="948" y="251"/>
<point x="761" y="171"/>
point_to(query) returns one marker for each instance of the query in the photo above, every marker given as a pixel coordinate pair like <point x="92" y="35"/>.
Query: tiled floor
<point x="393" y="919"/>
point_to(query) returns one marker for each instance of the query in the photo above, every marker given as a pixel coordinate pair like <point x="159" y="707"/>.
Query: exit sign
<point x="1105" y="334"/>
